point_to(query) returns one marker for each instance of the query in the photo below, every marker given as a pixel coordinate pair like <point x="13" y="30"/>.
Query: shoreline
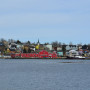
<point x="50" y="58"/>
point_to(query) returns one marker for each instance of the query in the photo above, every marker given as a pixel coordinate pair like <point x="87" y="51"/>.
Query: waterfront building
<point x="60" y="54"/>
<point x="72" y="53"/>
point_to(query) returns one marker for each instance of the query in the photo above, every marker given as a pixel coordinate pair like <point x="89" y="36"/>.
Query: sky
<point x="47" y="20"/>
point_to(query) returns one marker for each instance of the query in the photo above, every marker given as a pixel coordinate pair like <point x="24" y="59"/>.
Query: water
<point x="30" y="74"/>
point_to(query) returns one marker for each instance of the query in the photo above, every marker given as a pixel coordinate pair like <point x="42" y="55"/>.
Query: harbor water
<point x="44" y="74"/>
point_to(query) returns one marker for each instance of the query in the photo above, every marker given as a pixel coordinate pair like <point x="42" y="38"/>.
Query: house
<point x="80" y="52"/>
<point x="57" y="48"/>
<point x="12" y="46"/>
<point x="48" y="46"/>
<point x="41" y="47"/>
<point x="73" y="53"/>
<point x="60" y="53"/>
<point x="32" y="47"/>
<point x="19" y="48"/>
<point x="79" y="47"/>
<point x="71" y="47"/>
<point x="2" y="47"/>
<point x="28" y="48"/>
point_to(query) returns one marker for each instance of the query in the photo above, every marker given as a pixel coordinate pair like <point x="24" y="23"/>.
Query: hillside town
<point x="7" y="48"/>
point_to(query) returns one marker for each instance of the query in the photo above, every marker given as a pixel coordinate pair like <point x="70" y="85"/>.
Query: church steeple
<point x="38" y="45"/>
<point x="38" y="42"/>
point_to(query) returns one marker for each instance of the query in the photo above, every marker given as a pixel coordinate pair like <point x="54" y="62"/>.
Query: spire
<point x="38" y="42"/>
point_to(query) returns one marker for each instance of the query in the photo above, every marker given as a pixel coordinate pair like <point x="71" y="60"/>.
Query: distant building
<point x="12" y="46"/>
<point x="71" y="47"/>
<point x="49" y="46"/>
<point x="2" y="48"/>
<point x="37" y="47"/>
<point x="60" y="53"/>
<point x="72" y="53"/>
<point x="19" y="48"/>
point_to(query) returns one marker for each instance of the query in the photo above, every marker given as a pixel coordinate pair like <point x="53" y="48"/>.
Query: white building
<point x="73" y="53"/>
<point x="49" y="46"/>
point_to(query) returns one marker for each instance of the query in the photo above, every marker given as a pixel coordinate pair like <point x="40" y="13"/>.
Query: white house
<point x="49" y="46"/>
<point x="73" y="53"/>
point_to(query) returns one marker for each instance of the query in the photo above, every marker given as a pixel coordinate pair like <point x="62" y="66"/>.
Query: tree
<point x="56" y="44"/>
<point x="70" y="44"/>
<point x="28" y="42"/>
<point x="46" y="43"/>
<point x="11" y="40"/>
<point x="79" y="46"/>
<point x="85" y="46"/>
<point x="59" y="44"/>
<point x="89" y="47"/>
<point x="2" y="40"/>
<point x="64" y="50"/>
<point x="29" y="50"/>
<point x="24" y="50"/>
<point x="18" y="42"/>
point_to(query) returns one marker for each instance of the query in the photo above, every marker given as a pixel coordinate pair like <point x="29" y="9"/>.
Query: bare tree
<point x="56" y="44"/>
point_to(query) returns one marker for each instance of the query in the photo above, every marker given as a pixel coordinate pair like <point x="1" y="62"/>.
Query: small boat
<point x="75" y="57"/>
<point x="79" y="57"/>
